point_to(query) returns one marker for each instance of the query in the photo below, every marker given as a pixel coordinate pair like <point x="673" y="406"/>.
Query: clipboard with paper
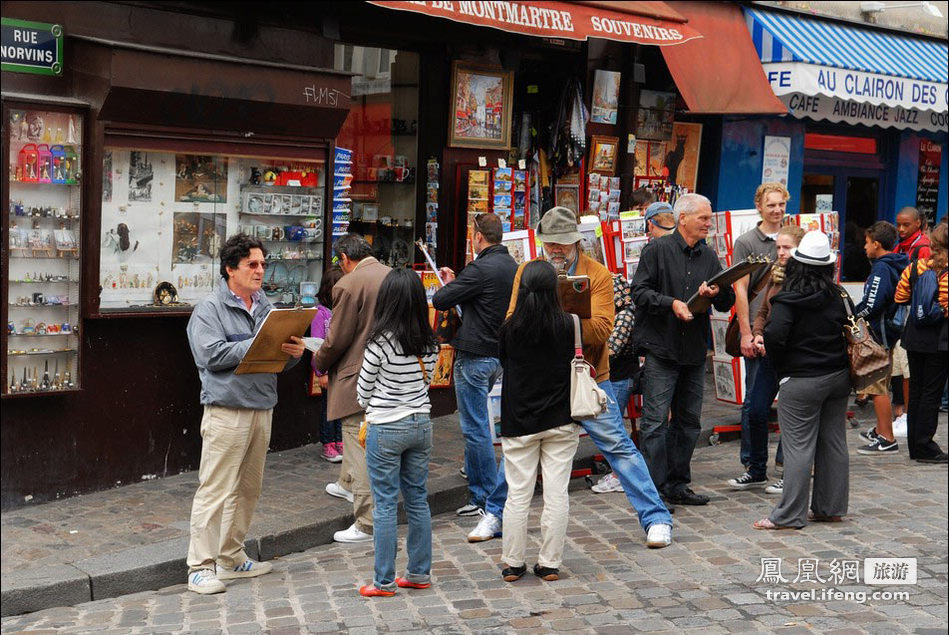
<point x="740" y="269"/>
<point x="264" y="354"/>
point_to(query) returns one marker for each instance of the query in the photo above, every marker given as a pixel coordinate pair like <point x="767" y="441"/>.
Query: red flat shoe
<point x="370" y="591"/>
<point x="408" y="584"/>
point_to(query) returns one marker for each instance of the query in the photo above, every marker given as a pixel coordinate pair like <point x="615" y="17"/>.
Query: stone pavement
<point x="706" y="580"/>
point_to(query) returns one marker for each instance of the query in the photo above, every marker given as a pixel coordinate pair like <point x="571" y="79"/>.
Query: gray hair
<point x="690" y="204"/>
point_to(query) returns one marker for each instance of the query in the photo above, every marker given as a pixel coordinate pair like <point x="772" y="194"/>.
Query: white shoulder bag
<point x="586" y="398"/>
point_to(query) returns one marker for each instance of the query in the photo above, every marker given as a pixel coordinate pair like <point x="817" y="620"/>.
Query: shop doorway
<point x="855" y="195"/>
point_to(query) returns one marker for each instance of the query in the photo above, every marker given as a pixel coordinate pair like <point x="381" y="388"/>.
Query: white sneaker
<point x="659" y="536"/>
<point x="488" y="527"/>
<point x="249" y="569"/>
<point x="607" y="484"/>
<point x="775" y="488"/>
<point x="899" y="426"/>
<point x="352" y="534"/>
<point x="335" y="489"/>
<point x="205" y="582"/>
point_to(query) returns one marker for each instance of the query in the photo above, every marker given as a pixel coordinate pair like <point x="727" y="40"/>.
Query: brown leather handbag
<point x="733" y="332"/>
<point x="869" y="362"/>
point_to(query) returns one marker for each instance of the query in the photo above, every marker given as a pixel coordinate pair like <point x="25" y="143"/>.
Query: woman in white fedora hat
<point x="805" y="343"/>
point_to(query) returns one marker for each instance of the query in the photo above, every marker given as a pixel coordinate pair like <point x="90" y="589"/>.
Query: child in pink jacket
<point x="331" y="432"/>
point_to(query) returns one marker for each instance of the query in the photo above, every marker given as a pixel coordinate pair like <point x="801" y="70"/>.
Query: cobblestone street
<point x="707" y="580"/>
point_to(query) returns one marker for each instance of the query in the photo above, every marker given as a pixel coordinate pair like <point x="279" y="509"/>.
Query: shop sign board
<point x="557" y="20"/>
<point x="821" y="107"/>
<point x="927" y="184"/>
<point x="32" y="47"/>
<point x="812" y="79"/>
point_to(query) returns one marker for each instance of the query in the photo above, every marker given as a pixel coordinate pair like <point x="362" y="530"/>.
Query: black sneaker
<point x="546" y="573"/>
<point x="942" y="458"/>
<point x="511" y="574"/>
<point x="686" y="496"/>
<point x="747" y="481"/>
<point x="870" y="435"/>
<point x="878" y="447"/>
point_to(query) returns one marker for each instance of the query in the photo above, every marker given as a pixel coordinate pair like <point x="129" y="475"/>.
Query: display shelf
<point x="43" y="211"/>
<point x="311" y="214"/>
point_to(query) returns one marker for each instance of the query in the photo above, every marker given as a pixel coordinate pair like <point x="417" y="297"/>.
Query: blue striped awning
<point x="780" y="37"/>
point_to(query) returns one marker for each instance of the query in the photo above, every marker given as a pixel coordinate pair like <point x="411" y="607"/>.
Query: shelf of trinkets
<point x="32" y="383"/>
<point x="40" y="351"/>
<point x="32" y="328"/>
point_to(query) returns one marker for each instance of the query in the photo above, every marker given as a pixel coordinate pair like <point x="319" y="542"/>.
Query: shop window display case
<point x="42" y="250"/>
<point x="382" y="132"/>
<point x="166" y="215"/>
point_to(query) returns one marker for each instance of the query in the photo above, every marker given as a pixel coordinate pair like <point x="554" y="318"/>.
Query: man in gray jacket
<point x="235" y="428"/>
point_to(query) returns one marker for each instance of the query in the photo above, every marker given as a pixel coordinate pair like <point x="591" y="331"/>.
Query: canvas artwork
<point x="568" y="196"/>
<point x="655" y="115"/>
<point x="441" y="378"/>
<point x="725" y="381"/>
<point x="718" y="337"/>
<point x="681" y="158"/>
<point x="591" y="244"/>
<point x="481" y="113"/>
<point x="605" y="97"/>
<point x="200" y="179"/>
<point x="603" y="151"/>
<point x="141" y="176"/>
<point x="633" y="250"/>
<point x="198" y="237"/>
<point x="633" y="228"/>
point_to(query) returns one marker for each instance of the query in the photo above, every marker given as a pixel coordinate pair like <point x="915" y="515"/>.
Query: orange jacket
<point x="595" y="330"/>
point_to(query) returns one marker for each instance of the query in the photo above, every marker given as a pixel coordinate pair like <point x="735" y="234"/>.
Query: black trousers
<point x="927" y="377"/>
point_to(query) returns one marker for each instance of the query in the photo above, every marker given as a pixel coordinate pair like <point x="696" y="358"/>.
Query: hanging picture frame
<point x="603" y="153"/>
<point x="568" y="195"/>
<point x="605" y="97"/>
<point x="481" y="102"/>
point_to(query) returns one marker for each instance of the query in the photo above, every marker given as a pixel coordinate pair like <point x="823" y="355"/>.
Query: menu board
<point x="927" y="184"/>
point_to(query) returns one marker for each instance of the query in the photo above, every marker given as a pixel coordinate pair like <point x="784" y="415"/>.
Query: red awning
<point x="622" y="21"/>
<point x="720" y="73"/>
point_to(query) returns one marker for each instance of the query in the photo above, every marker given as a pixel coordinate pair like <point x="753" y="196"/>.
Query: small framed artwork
<point x="441" y="378"/>
<point x="719" y="327"/>
<point x="605" y="96"/>
<point x="591" y="242"/>
<point x="603" y="151"/>
<point x="481" y="104"/>
<point x="726" y="388"/>
<point x="518" y="244"/>
<point x="568" y="196"/>
<point x="314" y="389"/>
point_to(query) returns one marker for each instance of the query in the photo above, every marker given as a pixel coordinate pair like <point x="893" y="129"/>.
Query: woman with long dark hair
<point x="536" y="347"/>
<point x="805" y="342"/>
<point x="393" y="389"/>
<point x="926" y="345"/>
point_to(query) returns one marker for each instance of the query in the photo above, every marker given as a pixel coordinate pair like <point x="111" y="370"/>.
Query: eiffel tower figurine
<point x="44" y="385"/>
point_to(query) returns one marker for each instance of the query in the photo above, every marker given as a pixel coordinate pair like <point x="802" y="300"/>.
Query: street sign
<point x="32" y="47"/>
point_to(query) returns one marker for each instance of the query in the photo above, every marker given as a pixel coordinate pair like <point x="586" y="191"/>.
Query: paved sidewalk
<point x="135" y="537"/>
<point x="707" y="581"/>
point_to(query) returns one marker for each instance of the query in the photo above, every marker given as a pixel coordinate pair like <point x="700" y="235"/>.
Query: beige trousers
<point x="554" y="449"/>
<point x="353" y="474"/>
<point x="233" y="450"/>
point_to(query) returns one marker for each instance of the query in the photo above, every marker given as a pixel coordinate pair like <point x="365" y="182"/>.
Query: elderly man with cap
<point x="672" y="338"/>
<point x="558" y="233"/>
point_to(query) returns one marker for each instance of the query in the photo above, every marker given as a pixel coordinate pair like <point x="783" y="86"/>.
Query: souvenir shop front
<point x="867" y="132"/>
<point x="130" y="157"/>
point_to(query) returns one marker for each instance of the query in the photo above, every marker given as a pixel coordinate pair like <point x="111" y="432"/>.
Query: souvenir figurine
<point x="11" y="328"/>
<point x="66" y="328"/>
<point x="44" y="385"/>
<point x="72" y="137"/>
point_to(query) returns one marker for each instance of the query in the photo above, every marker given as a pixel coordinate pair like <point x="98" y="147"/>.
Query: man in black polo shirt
<point x="673" y="339"/>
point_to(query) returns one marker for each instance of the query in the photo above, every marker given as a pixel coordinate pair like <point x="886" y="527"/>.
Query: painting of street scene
<point x="482" y="108"/>
<point x="200" y="179"/>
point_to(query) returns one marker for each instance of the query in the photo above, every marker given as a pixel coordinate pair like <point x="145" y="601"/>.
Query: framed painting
<point x="603" y="152"/>
<point x="605" y="97"/>
<point x="568" y="196"/>
<point x="441" y="378"/>
<point x="481" y="103"/>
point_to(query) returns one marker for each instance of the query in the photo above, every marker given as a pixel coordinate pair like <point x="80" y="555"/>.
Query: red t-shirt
<point x="911" y="243"/>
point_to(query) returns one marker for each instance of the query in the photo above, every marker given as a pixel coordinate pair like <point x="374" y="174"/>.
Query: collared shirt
<point x="254" y="299"/>
<point x="755" y="242"/>
<point x="669" y="269"/>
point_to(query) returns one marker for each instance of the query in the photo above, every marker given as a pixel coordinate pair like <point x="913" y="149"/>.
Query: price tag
<point x="293" y="182"/>
<point x="598" y="231"/>
<point x="521" y="164"/>
<point x="483" y="162"/>
<point x="502" y="163"/>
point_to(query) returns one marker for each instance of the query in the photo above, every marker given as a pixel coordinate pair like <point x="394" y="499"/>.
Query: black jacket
<point x="805" y="336"/>
<point x="671" y="270"/>
<point x="483" y="290"/>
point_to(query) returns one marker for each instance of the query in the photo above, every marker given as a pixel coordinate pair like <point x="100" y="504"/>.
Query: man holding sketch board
<point x="238" y="408"/>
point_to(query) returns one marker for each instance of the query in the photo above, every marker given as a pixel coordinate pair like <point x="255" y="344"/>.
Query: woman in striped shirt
<point x="393" y="389"/>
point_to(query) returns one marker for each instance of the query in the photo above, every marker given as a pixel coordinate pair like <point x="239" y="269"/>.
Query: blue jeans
<point x="759" y="402"/>
<point x="397" y="456"/>
<point x="622" y="389"/>
<point x="751" y="373"/>
<point x="668" y="444"/>
<point x="474" y="376"/>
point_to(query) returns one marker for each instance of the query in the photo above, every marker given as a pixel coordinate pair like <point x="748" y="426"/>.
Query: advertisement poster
<point x="682" y="154"/>
<point x="927" y="184"/>
<point x="605" y="97"/>
<point x="655" y="115"/>
<point x="775" y="160"/>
